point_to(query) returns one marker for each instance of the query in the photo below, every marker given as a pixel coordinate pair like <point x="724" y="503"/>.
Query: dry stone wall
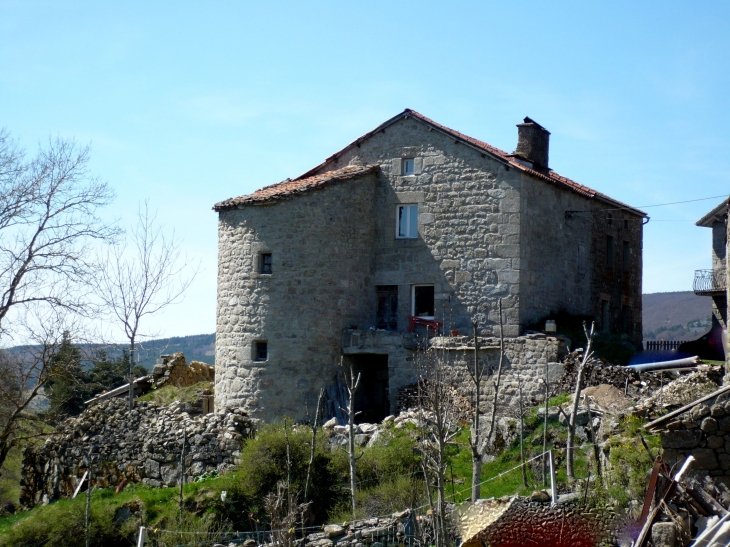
<point x="143" y="445"/>
<point x="174" y="370"/>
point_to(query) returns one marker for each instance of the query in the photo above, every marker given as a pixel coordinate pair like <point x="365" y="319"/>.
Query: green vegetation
<point x="167" y="394"/>
<point x="389" y="479"/>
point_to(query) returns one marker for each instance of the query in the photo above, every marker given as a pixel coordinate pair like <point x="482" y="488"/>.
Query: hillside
<point x="675" y="315"/>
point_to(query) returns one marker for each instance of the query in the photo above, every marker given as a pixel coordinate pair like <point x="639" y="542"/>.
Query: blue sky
<point x="189" y="103"/>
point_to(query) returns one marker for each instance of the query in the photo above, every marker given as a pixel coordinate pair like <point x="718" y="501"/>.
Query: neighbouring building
<point x="409" y="225"/>
<point x="713" y="282"/>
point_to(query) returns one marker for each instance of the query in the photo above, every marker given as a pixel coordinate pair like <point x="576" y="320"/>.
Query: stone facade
<point x="488" y="228"/>
<point x="139" y="446"/>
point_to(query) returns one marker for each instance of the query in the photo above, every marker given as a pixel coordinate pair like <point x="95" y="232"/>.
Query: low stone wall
<point x="143" y="445"/>
<point x="704" y="432"/>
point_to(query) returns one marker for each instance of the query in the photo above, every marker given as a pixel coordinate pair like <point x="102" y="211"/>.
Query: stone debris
<point x="174" y="370"/>
<point x="143" y="445"/>
<point x="375" y="532"/>
<point x="681" y="391"/>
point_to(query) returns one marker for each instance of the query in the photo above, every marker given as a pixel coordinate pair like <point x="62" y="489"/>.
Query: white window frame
<point x="413" y="300"/>
<point x="408" y="208"/>
<point x="406" y="164"/>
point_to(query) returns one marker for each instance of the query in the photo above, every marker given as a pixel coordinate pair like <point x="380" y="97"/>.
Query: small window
<point x="408" y="167"/>
<point x="407" y="222"/>
<point x="626" y="224"/>
<point x="422" y="301"/>
<point x="605" y="317"/>
<point x="266" y="263"/>
<point x="261" y="351"/>
<point x="609" y="252"/>
<point x="610" y="219"/>
<point x="626" y="256"/>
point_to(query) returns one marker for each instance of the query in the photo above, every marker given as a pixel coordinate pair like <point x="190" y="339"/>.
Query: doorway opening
<point x="372" y="396"/>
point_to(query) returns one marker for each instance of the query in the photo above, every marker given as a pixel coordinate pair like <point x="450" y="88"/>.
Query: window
<point x="265" y="263"/>
<point x="387" y="313"/>
<point x="407" y="222"/>
<point x="609" y="252"/>
<point x="604" y="315"/>
<point x="626" y="319"/>
<point x="610" y="219"/>
<point x="408" y="167"/>
<point x="626" y="224"/>
<point x="626" y="256"/>
<point x="422" y="301"/>
<point x="261" y="351"/>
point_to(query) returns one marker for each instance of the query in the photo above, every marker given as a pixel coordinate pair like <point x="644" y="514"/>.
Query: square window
<point x="407" y="222"/>
<point x="261" y="351"/>
<point x="422" y="302"/>
<point x="409" y="167"/>
<point x="265" y="263"/>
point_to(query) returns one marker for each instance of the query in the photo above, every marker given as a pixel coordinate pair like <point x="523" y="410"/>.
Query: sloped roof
<point x="718" y="214"/>
<point x="315" y="179"/>
<point x="289" y="188"/>
<point x="549" y="176"/>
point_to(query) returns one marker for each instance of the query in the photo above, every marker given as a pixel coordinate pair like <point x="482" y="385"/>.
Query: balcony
<point x="710" y="282"/>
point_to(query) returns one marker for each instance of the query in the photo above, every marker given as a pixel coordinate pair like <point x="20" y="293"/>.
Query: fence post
<point x="553" y="486"/>
<point x="142" y="536"/>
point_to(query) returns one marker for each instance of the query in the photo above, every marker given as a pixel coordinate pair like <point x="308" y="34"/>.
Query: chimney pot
<point x="533" y="142"/>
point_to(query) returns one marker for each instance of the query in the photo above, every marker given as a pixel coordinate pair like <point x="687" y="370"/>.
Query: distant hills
<point x="675" y="315"/>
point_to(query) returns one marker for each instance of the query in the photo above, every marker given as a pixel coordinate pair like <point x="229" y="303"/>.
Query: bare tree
<point x="477" y="372"/>
<point x="142" y="278"/>
<point x="352" y="382"/>
<point x="440" y="416"/>
<point x="24" y="373"/>
<point x="580" y="374"/>
<point x="48" y="224"/>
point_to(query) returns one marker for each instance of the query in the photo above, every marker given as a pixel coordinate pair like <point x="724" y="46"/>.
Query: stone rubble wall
<point x="704" y="432"/>
<point x="139" y="446"/>
<point x="174" y="370"/>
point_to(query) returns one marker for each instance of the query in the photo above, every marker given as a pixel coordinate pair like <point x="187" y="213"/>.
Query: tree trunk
<point x="311" y="448"/>
<point x="476" y="453"/>
<point x="351" y="446"/>
<point x="570" y="450"/>
<point x="544" y="430"/>
<point x="131" y="375"/>
<point x="522" y="433"/>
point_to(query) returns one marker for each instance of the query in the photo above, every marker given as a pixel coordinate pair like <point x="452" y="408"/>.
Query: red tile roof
<point x="549" y="176"/>
<point x="288" y="188"/>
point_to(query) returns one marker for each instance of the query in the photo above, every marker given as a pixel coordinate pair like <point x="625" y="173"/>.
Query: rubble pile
<point x="174" y="370"/>
<point x="143" y="445"/>
<point x="376" y="532"/>
<point x="368" y="434"/>
<point x="681" y="391"/>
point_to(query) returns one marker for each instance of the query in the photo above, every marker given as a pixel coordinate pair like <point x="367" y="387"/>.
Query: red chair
<point x="430" y="324"/>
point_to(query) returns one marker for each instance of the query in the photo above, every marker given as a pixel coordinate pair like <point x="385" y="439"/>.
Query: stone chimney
<point x="533" y="141"/>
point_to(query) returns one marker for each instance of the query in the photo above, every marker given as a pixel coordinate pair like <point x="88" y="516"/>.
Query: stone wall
<point x="524" y="355"/>
<point x="704" y="432"/>
<point x="141" y="446"/>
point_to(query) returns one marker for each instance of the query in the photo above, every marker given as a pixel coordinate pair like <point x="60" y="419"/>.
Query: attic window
<point x="408" y="167"/>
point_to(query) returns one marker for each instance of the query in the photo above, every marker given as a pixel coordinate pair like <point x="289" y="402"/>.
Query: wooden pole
<point x="182" y="472"/>
<point x="553" y="486"/>
<point x="88" y="497"/>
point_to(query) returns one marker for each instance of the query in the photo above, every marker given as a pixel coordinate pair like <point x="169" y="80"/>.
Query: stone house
<point x="409" y="225"/>
<point x="713" y="282"/>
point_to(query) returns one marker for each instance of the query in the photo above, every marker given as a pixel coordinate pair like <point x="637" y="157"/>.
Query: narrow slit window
<point x="626" y="256"/>
<point x="261" y="351"/>
<point x="266" y="263"/>
<point x="609" y="252"/>
<point x="408" y="166"/>
<point x="407" y="222"/>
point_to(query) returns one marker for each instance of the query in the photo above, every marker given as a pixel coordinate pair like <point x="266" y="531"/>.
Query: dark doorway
<point x="387" y="314"/>
<point x="371" y="398"/>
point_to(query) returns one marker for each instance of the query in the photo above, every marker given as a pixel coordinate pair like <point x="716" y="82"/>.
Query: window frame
<point x="263" y="264"/>
<point x="257" y="346"/>
<point x="408" y="207"/>
<point x="413" y="301"/>
<point x="405" y="163"/>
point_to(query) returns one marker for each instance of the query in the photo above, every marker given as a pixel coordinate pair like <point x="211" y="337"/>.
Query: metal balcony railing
<point x="708" y="282"/>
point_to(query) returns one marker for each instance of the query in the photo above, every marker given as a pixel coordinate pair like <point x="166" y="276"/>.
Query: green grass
<point x="168" y="394"/>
